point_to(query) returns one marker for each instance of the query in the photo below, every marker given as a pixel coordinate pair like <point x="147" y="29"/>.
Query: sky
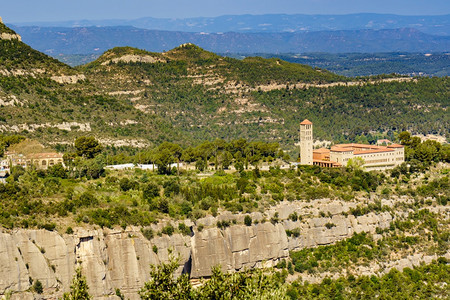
<point x="63" y="10"/>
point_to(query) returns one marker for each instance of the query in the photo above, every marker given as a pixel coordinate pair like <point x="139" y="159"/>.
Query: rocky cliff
<point x="120" y="259"/>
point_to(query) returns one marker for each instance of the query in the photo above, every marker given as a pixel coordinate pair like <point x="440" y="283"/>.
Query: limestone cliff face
<point x="121" y="259"/>
<point x="238" y="247"/>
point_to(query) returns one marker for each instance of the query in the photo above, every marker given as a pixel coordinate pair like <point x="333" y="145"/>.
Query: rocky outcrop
<point x="325" y="231"/>
<point x="70" y="79"/>
<point x="69" y="126"/>
<point x="10" y="36"/>
<point x="134" y="58"/>
<point x="238" y="247"/>
<point x="121" y="259"/>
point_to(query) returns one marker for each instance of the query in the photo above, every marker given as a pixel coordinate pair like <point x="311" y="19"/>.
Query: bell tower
<point x="306" y="142"/>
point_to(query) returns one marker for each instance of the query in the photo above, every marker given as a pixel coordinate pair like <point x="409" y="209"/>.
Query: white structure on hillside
<point x="306" y="142"/>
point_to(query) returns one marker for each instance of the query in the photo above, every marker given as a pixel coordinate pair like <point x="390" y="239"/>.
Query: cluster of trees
<point x="426" y="152"/>
<point x="420" y="155"/>
<point x="423" y="282"/>
<point x="254" y="284"/>
<point x="8" y="140"/>
<point x="220" y="154"/>
<point x="344" y="112"/>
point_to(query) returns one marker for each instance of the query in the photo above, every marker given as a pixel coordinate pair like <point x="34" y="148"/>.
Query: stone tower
<point x="306" y="142"/>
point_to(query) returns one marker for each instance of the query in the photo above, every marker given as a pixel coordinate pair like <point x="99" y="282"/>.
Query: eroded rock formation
<point x="121" y="259"/>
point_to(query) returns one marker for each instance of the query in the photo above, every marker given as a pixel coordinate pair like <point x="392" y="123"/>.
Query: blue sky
<point x="62" y="10"/>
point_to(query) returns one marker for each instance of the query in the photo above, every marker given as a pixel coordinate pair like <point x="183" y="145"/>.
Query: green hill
<point x="46" y="99"/>
<point x="134" y="97"/>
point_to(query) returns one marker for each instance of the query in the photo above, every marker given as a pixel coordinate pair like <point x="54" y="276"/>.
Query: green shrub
<point x="168" y="229"/>
<point x="37" y="287"/>
<point x="185" y="230"/>
<point x="248" y="220"/>
<point x="330" y="225"/>
<point x="148" y="233"/>
<point x="293" y="217"/>
<point x="150" y="191"/>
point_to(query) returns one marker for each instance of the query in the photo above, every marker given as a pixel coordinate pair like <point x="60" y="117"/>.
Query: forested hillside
<point x="134" y="97"/>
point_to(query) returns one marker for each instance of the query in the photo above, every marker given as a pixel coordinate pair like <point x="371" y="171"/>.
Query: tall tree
<point x="79" y="288"/>
<point x="87" y="146"/>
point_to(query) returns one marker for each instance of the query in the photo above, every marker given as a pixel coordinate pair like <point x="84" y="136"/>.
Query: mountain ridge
<point x="439" y="24"/>
<point x="88" y="40"/>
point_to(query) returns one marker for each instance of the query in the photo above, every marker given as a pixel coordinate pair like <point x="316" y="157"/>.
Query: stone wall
<point x="121" y="259"/>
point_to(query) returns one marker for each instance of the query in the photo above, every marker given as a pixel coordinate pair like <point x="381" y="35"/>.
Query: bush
<point x="150" y="191"/>
<point x="248" y="220"/>
<point x="171" y="187"/>
<point x="163" y="205"/>
<point x="185" y="230"/>
<point x="87" y="199"/>
<point x="126" y="184"/>
<point x="57" y="171"/>
<point x="223" y="224"/>
<point x="293" y="217"/>
<point x="37" y="287"/>
<point x="330" y="225"/>
<point x="48" y="226"/>
<point x="168" y="230"/>
<point x="147" y="233"/>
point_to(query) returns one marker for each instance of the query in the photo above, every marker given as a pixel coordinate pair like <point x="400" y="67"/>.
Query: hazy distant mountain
<point x="84" y="40"/>
<point x="437" y="25"/>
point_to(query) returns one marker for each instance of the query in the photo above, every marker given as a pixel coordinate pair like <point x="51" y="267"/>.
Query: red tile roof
<point x="372" y="151"/>
<point x="44" y="155"/>
<point x="321" y="150"/>
<point x="306" y="122"/>
<point x="341" y="149"/>
<point x="395" y="146"/>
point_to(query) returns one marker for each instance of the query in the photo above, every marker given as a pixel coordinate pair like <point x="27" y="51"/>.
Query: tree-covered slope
<point x="46" y="99"/>
<point x="130" y="96"/>
<point x="210" y="96"/>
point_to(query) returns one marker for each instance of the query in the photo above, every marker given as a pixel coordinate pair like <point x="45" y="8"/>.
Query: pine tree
<point x="79" y="288"/>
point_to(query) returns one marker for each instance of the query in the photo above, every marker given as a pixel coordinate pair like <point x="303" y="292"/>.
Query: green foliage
<point x="57" y="170"/>
<point x="243" y="285"/>
<point x="253" y="284"/>
<point x="424" y="282"/>
<point x="150" y="191"/>
<point x="163" y="285"/>
<point x="185" y="230"/>
<point x="87" y="147"/>
<point x="248" y="220"/>
<point x="147" y="232"/>
<point x="79" y="289"/>
<point x="126" y="184"/>
<point x="8" y="140"/>
<point x="168" y="229"/>
<point x="37" y="287"/>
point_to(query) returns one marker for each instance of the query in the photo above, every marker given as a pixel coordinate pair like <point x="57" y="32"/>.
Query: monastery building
<point x="374" y="157"/>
